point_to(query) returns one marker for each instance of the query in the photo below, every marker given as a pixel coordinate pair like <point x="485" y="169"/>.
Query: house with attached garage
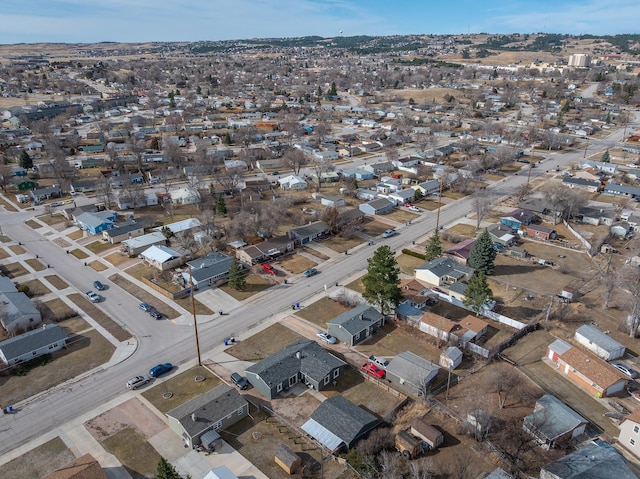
<point x="18" y="312"/>
<point x="24" y="347"/>
<point x="307" y="233"/>
<point x="501" y="234"/>
<point x="581" y="183"/>
<point x="460" y="252"/>
<point x="599" y="343"/>
<point x="356" y="325"/>
<point x="181" y="226"/>
<point x="379" y="206"/>
<point x="198" y="420"/>
<point x="541" y="232"/>
<point x="43" y="194"/>
<point x="597" y="216"/>
<point x="208" y="270"/>
<point x="303" y="361"/>
<point x="137" y="245"/>
<point x="553" y="423"/>
<point x="416" y="293"/>
<point x="621" y="229"/>
<point x="97" y="222"/>
<point x="428" y="188"/>
<point x="123" y="231"/>
<point x="411" y="372"/>
<point x="443" y="271"/>
<point x="586" y="370"/>
<point x="614" y="189"/>
<point x="161" y="257"/>
<point x="292" y="182"/>
<point x="402" y="197"/>
<point x="265" y="251"/>
<point x="519" y="218"/>
<point x="337" y="423"/>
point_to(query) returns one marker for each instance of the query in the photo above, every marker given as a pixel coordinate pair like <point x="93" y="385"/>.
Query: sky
<point x="88" y="21"/>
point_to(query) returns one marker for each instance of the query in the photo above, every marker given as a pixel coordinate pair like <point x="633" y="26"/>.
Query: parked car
<point x="310" y="272"/>
<point x="415" y="209"/>
<point x="137" y="381"/>
<point x="98" y="285"/>
<point x="378" y="361"/>
<point x="93" y="297"/>
<point x="498" y="247"/>
<point x="437" y="290"/>
<point x="155" y="314"/>
<point x="372" y="370"/>
<point x="160" y="369"/>
<point x="626" y="370"/>
<point x="145" y="307"/>
<point x="388" y="233"/>
<point x="326" y="337"/>
<point x="240" y="381"/>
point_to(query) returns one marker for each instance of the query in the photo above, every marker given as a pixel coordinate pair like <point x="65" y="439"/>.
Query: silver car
<point x="138" y="381"/>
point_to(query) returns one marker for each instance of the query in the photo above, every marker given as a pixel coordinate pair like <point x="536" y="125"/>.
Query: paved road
<point x="165" y="341"/>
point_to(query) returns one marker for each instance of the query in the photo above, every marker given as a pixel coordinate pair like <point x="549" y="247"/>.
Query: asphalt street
<point x="161" y="341"/>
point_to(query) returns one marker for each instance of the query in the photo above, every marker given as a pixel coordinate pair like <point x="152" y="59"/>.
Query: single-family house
<point x="18" y="312"/>
<point x="581" y="183"/>
<point x="354" y="326"/>
<point x="593" y="461"/>
<point x="7" y="286"/>
<point x="451" y="358"/>
<point x="198" y="420"/>
<point x="598" y="342"/>
<point x="428" y="188"/>
<point x="457" y="290"/>
<point x="541" y="232"/>
<point x="24" y="184"/>
<point x="209" y="270"/>
<point x="161" y="257"/>
<point x="98" y="221"/>
<point x="307" y="233"/>
<point x="332" y="201"/>
<point x="413" y="291"/>
<point x="184" y="195"/>
<point x="337" y="423"/>
<point x="538" y="205"/>
<point x="83" y="186"/>
<point x="381" y="168"/>
<point x="621" y="229"/>
<point x="379" y="206"/>
<point x="519" y="218"/>
<point x="303" y="361"/>
<point x="366" y="195"/>
<point x="553" y="423"/>
<point x="468" y="329"/>
<point x="405" y="311"/>
<point x="443" y="271"/>
<point x="123" y="231"/>
<point x="24" y="347"/>
<point x="402" y="197"/>
<point x="42" y="194"/>
<point x="125" y="200"/>
<point x="411" y="372"/>
<point x="431" y="436"/>
<point x="586" y="370"/>
<point x="292" y="182"/>
<point x="614" y="189"/>
<point x="136" y="245"/>
<point x="220" y="472"/>
<point x="265" y="251"/>
<point x="460" y="252"/>
<point x="388" y="185"/>
<point x="501" y="234"/>
<point x="181" y="226"/>
<point x="597" y="216"/>
<point x="359" y="174"/>
<point x="629" y="435"/>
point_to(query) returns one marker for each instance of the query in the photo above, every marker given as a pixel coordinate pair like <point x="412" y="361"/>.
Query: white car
<point x="93" y="297"/>
<point x="415" y="209"/>
<point x="137" y="381"/>
<point x="388" y="233"/>
<point x="326" y="337"/>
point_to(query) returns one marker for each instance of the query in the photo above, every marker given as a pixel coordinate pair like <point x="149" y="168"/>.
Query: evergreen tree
<point x="606" y="157"/>
<point x="483" y="254"/>
<point x="25" y="160"/>
<point x="166" y="232"/>
<point x="333" y="91"/>
<point x="382" y="279"/>
<point x="237" y="279"/>
<point x="418" y="195"/>
<point x="165" y="470"/>
<point x="227" y="139"/>
<point x="434" y="247"/>
<point x="221" y="207"/>
<point x="478" y="293"/>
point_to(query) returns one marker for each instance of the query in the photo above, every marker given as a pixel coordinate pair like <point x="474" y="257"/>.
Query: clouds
<point x="191" y="20"/>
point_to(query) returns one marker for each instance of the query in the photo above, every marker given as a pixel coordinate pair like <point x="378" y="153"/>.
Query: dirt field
<point x="132" y="413"/>
<point x="39" y="462"/>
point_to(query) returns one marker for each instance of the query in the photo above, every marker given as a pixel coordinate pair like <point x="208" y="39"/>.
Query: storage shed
<point x="407" y="445"/>
<point x="451" y="358"/>
<point x="287" y="459"/>
<point x="598" y="342"/>
<point x="429" y="434"/>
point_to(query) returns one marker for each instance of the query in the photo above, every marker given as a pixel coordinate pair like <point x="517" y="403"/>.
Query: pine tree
<point x="237" y="278"/>
<point x="434" y="247"/>
<point x="483" y="254"/>
<point x="606" y="157"/>
<point x="165" y="470"/>
<point x="221" y="207"/>
<point x="382" y="279"/>
<point x="478" y="293"/>
<point x="166" y="231"/>
<point x="25" y="160"/>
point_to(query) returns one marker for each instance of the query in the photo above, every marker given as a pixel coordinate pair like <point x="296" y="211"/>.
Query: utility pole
<point x="439" y="203"/>
<point x="193" y="310"/>
<point x="585" y="148"/>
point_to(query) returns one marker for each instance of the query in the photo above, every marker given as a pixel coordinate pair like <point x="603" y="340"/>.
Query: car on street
<point x="326" y="337"/>
<point x="56" y="203"/>
<point x="155" y="314"/>
<point x="137" y="381"/>
<point x="310" y="272"/>
<point x="98" y="285"/>
<point x="415" y="209"/>
<point x="145" y="307"/>
<point x="388" y="233"/>
<point x="240" y="381"/>
<point x="93" y="297"/>
<point x="372" y="370"/>
<point x="626" y="370"/>
<point x="160" y="369"/>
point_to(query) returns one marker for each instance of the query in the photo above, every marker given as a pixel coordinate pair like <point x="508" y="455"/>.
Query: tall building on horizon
<point x="579" y="60"/>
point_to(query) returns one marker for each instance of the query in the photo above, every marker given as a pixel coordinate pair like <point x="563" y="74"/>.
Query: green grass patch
<point x="255" y="283"/>
<point x="99" y="246"/>
<point x="39" y="461"/>
<point x="264" y="343"/>
<point x="183" y="388"/>
<point x="78" y="253"/>
<point x="13" y="270"/>
<point x="36" y="264"/>
<point x="56" y="282"/>
<point x="33" y="224"/>
<point x="322" y="311"/>
<point x="117" y="330"/>
<point x="137" y="456"/>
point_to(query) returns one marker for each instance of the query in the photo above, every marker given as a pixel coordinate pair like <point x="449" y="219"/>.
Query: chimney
<point x="298" y="355"/>
<point x="193" y="417"/>
<point x="361" y="316"/>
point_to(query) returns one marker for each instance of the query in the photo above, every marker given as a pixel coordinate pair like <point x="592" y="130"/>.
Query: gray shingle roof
<point x="599" y="338"/>
<point x="591" y="462"/>
<point x="446" y="267"/>
<point x="410" y="366"/>
<point x="209" y="408"/>
<point x="359" y="318"/>
<point x="16" y="305"/>
<point x="32" y="340"/>
<point x="553" y="418"/>
<point x="314" y="361"/>
<point x="310" y="230"/>
<point x="210" y="266"/>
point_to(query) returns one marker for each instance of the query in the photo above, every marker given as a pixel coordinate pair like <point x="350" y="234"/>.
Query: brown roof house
<point x="460" y="252"/>
<point x="468" y="329"/>
<point x="429" y="434"/>
<point x="586" y="370"/>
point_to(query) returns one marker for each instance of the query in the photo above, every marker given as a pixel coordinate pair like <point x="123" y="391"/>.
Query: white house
<point x="184" y="196"/>
<point x="161" y="257"/>
<point x="292" y="182"/>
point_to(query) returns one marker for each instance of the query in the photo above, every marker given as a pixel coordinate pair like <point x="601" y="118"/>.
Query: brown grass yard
<point x="115" y="329"/>
<point x="13" y="270"/>
<point x="263" y="344"/>
<point x="56" y="282"/>
<point x="356" y="286"/>
<point x="39" y="461"/>
<point x="322" y="311"/>
<point x="408" y="263"/>
<point x="187" y="304"/>
<point x="183" y="388"/>
<point x="117" y="259"/>
<point x="17" y="249"/>
<point x="7" y="206"/>
<point x="36" y="288"/>
<point x="57" y="309"/>
<point x="74" y="235"/>
<point x="313" y="252"/>
<point x="463" y="229"/>
<point x="74" y="325"/>
<point x="100" y="246"/>
<point x="83" y="353"/>
<point x="78" y="253"/>
<point x="402" y="215"/>
<point x="255" y="283"/>
<point x="137" y="456"/>
<point x="51" y="219"/>
<point x="340" y="244"/>
<point x="33" y="224"/>
<point x="296" y="263"/>
<point x="3" y="253"/>
<point x="373" y="228"/>
<point x="97" y="265"/>
<point x="35" y="264"/>
<point x="146" y="297"/>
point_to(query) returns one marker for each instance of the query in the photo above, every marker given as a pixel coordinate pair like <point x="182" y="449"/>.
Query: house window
<point x="34" y="353"/>
<point x="292" y="380"/>
<point x="336" y="373"/>
<point x="636" y="429"/>
<point x="326" y="379"/>
<point x="217" y="425"/>
<point x="241" y="411"/>
<point x="51" y="346"/>
<point x="279" y="388"/>
<point x="632" y="442"/>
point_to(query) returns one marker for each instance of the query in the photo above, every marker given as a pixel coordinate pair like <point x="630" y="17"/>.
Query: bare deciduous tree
<point x="503" y="379"/>
<point x="295" y="159"/>
<point x="481" y="204"/>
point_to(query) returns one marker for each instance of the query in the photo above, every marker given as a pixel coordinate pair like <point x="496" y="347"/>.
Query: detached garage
<point x="599" y="343"/>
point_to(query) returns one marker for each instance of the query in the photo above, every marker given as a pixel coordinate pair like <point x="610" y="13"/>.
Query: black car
<point x="239" y="381"/>
<point x="98" y="285"/>
<point x="155" y="314"/>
